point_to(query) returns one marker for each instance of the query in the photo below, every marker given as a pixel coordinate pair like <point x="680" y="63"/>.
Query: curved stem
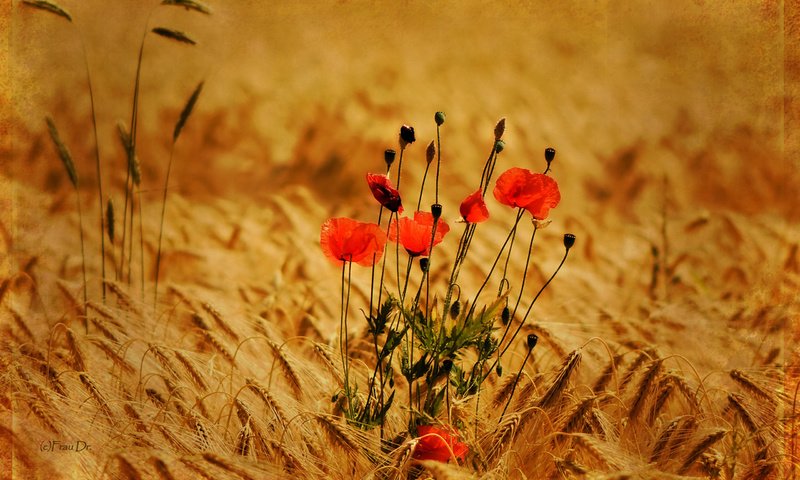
<point x="514" y="387"/>
<point x="97" y="166"/>
<point x="497" y="259"/>
<point x="161" y="226"/>
<point x="521" y="323"/>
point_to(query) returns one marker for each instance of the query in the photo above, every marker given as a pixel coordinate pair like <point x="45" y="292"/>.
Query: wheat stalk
<point x="197" y="378"/>
<point x="161" y="469"/>
<point x="645" y="388"/>
<point x="268" y="399"/>
<point x="750" y="385"/>
<point x="78" y="356"/>
<point x="69" y="165"/>
<point x="221" y="323"/>
<point x="187" y="110"/>
<point x="173" y="35"/>
<point x="338" y="434"/>
<point x="704" y="444"/>
<point x="189" y="5"/>
<point x="227" y="465"/>
<point x="126" y="468"/>
<point x="50" y="7"/>
<point x="287" y="368"/>
<point x="20" y="322"/>
<point x="561" y="380"/>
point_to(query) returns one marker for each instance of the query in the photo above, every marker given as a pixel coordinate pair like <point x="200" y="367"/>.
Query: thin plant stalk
<point x="97" y="166"/>
<point x="161" y="226"/>
<point x="521" y="323"/>
<point x="343" y="331"/>
<point x="497" y="259"/>
<point x="514" y="387"/>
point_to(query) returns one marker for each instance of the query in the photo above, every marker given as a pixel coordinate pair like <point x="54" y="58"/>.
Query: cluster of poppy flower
<point x="345" y="241"/>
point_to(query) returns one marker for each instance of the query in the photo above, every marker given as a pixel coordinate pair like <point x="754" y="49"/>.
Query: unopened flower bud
<point x="500" y="128"/>
<point x="499" y="145"/>
<point x="505" y="317"/>
<point x="455" y="309"/>
<point x="532" y="339"/>
<point x="499" y="370"/>
<point x="436" y="210"/>
<point x="447" y="365"/>
<point x="569" y="240"/>
<point x="549" y="154"/>
<point x="407" y="135"/>
<point x="430" y="152"/>
<point x="424" y="263"/>
<point x="439" y="118"/>
<point x="388" y="156"/>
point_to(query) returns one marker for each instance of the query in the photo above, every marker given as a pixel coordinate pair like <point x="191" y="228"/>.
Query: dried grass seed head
<point x="63" y="152"/>
<point x="48" y="6"/>
<point x="189" y="5"/>
<point x="174" y="35"/>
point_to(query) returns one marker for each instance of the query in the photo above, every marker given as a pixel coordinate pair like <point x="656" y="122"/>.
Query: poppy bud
<point x="499" y="370"/>
<point x="439" y="118"/>
<point x="391" y="382"/>
<point x="335" y="397"/>
<point x="436" y="210"/>
<point x="569" y="240"/>
<point x="447" y="365"/>
<point x="506" y="315"/>
<point x="455" y="309"/>
<point x="430" y="152"/>
<point x="549" y="154"/>
<point x="424" y="263"/>
<point x="532" y="339"/>
<point x="500" y="128"/>
<point x="388" y="156"/>
<point x="499" y="146"/>
<point x="406" y="135"/>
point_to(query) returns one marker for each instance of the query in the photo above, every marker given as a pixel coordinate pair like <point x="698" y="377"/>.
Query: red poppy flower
<point x="415" y="234"/>
<point x="473" y="208"/>
<point x="535" y="192"/>
<point x="384" y="192"/>
<point x="438" y="444"/>
<point x="344" y="239"/>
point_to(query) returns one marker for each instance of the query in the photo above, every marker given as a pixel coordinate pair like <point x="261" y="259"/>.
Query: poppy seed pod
<point x="424" y="263"/>
<point x="436" y="210"/>
<point x="430" y="152"/>
<point x="532" y="339"/>
<point x="549" y="154"/>
<point x="439" y="118"/>
<point x="499" y="146"/>
<point x="447" y="365"/>
<point x="569" y="240"/>
<point x="407" y="135"/>
<point x="388" y="156"/>
<point x="500" y="128"/>
<point x="455" y="309"/>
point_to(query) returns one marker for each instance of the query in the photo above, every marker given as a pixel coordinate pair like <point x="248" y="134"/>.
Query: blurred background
<point x="677" y="172"/>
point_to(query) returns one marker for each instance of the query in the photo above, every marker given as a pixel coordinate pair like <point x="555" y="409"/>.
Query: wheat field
<point x="667" y="342"/>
